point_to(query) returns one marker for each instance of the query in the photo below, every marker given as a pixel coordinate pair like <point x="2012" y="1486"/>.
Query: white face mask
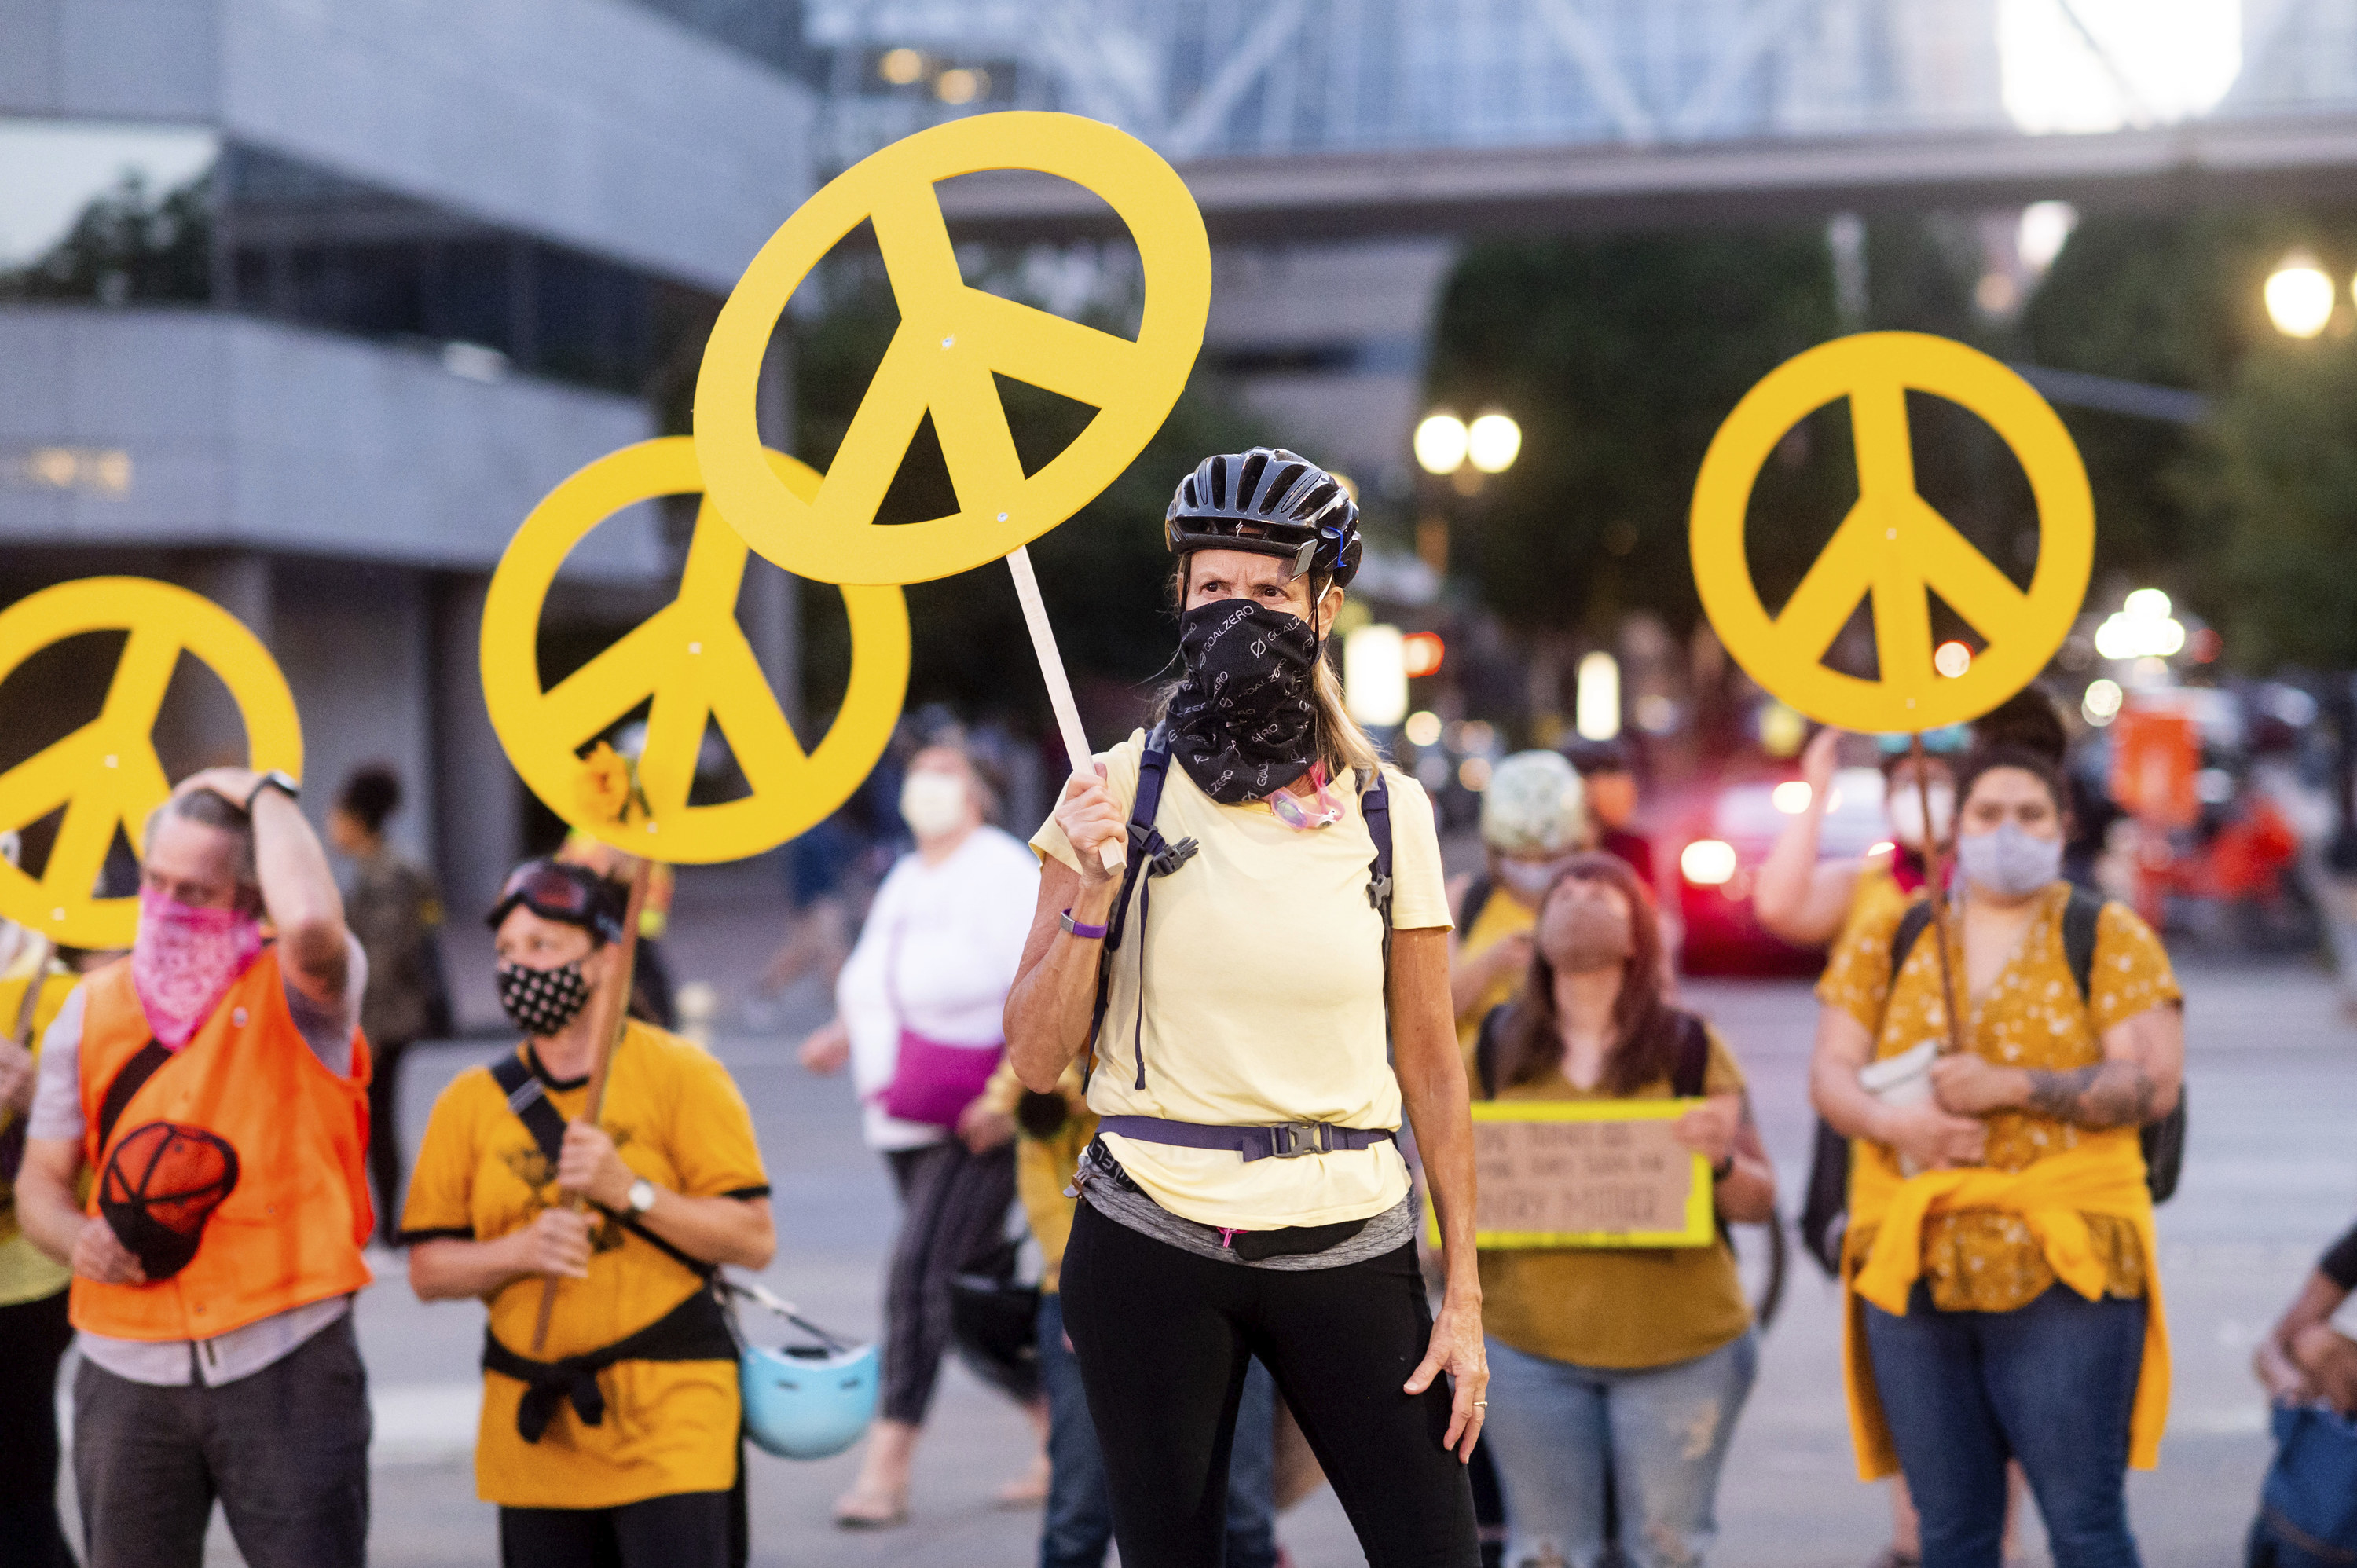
<point x="932" y="802"/>
<point x="1904" y="807"/>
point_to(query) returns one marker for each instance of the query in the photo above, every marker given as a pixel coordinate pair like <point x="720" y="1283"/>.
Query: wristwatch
<point x="277" y="778"/>
<point x="643" y="1195"/>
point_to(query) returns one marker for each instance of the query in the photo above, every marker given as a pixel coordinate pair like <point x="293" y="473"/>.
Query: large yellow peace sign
<point x="692" y="660"/>
<point x="1892" y="543"/>
<point x="106" y="774"/>
<point x="950" y="341"/>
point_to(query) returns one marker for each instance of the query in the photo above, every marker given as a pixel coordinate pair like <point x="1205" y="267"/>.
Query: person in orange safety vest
<point x="212" y="1087"/>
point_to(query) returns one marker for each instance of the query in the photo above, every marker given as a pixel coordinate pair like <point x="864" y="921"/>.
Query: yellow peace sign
<point x="1892" y="543"/>
<point x="692" y="660"/>
<point x="950" y="341"/>
<point x="107" y="773"/>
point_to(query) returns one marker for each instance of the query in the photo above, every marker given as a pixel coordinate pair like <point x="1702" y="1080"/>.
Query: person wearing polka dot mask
<point x="2001" y="1265"/>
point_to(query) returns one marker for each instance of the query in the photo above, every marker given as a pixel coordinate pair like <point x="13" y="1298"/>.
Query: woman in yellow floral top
<point x="2004" y="1299"/>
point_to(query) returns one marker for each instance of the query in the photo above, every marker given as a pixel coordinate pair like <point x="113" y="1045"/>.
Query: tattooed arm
<point x="2137" y="1080"/>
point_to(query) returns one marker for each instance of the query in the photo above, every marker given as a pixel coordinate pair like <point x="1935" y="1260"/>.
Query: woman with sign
<point x="1615" y="1366"/>
<point x="618" y="1442"/>
<point x="2000" y="1263"/>
<point x="1245" y="1196"/>
<point x="918" y="1008"/>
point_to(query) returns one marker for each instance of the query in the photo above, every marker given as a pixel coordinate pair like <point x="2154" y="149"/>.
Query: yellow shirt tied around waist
<point x="2051" y="1201"/>
<point x="1263" y="999"/>
<point x="676" y="1119"/>
<point x="1621" y="1307"/>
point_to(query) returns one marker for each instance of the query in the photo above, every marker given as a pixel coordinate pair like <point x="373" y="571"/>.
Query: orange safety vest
<point x="290" y="1233"/>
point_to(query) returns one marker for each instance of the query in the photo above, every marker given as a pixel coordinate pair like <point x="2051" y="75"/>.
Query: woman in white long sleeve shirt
<point x="918" y="1008"/>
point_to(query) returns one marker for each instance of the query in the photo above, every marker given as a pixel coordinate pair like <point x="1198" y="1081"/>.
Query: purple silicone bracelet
<point x="1086" y="933"/>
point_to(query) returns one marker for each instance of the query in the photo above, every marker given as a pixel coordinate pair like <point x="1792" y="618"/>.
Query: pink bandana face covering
<point x="185" y="961"/>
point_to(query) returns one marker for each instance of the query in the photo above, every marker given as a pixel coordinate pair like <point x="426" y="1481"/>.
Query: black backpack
<point x="1826" y="1214"/>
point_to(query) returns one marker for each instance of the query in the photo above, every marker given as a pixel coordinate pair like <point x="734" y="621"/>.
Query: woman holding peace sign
<point x="1246" y="1196"/>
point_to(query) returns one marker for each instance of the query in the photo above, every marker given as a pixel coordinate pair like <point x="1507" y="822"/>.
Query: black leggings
<point x="33" y="1336"/>
<point x="685" y="1529"/>
<point x="1163" y="1338"/>
<point x="953" y="1220"/>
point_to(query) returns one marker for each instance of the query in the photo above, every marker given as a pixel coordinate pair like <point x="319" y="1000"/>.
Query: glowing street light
<point x="2143" y="628"/>
<point x="2299" y="295"/>
<point x="1493" y="442"/>
<point x="1440" y="444"/>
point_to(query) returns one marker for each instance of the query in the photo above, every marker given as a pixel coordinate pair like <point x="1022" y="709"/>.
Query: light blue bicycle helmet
<point x="805" y="1402"/>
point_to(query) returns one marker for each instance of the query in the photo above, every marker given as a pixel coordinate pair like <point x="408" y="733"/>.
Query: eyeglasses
<point x="554" y="892"/>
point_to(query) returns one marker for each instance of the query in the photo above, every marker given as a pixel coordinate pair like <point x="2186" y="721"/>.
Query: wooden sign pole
<point x="610" y="1012"/>
<point x="1059" y="687"/>
<point x="1935" y="882"/>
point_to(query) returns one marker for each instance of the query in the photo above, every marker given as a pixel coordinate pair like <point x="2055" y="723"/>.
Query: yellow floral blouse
<point x="2030" y="1017"/>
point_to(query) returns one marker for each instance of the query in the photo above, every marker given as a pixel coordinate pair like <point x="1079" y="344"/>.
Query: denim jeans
<point x="2051" y="1384"/>
<point x="1078" y="1522"/>
<point x="1556" y="1430"/>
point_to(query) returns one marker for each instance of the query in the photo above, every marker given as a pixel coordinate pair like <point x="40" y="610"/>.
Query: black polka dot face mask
<point x="541" y="1001"/>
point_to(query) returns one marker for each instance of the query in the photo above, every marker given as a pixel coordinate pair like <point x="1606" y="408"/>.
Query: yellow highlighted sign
<point x="1893" y="546"/>
<point x="106" y="774"/>
<point x="1586" y="1172"/>
<point x="951" y="341"/>
<point x="692" y="660"/>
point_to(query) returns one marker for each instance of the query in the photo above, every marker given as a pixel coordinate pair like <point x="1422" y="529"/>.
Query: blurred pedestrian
<point x="1245" y="1196"/>
<point x="1609" y="777"/>
<point x="1808" y="901"/>
<point x="212" y="1089"/>
<point x="2000" y="1264"/>
<point x="2308" y="1364"/>
<point x="918" y="1016"/>
<point x="1616" y="1369"/>
<point x="1532" y="824"/>
<point x="618" y="1442"/>
<point x="1050" y="1130"/>
<point x="34" y="1328"/>
<point x="394" y="909"/>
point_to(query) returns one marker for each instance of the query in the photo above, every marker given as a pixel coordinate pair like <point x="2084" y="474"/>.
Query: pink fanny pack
<point x="932" y="1080"/>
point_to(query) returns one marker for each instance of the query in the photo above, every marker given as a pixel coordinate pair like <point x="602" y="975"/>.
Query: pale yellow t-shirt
<point x="1263" y="965"/>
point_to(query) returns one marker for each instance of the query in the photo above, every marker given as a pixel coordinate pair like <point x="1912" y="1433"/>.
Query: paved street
<point x="2272" y="1175"/>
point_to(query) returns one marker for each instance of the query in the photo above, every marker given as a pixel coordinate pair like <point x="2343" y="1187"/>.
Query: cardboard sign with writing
<point x="1588" y="1173"/>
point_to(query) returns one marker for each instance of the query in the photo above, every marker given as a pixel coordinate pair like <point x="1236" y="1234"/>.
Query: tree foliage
<point x="128" y="244"/>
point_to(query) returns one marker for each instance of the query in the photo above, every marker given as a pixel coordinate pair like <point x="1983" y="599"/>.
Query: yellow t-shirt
<point x="1502" y="916"/>
<point x="669" y="1427"/>
<point x="1044" y="1167"/>
<point x="2030" y="1017"/>
<point x="27" y="1273"/>
<point x="1617" y="1306"/>
<point x="1876" y="896"/>
<point x="1263" y="965"/>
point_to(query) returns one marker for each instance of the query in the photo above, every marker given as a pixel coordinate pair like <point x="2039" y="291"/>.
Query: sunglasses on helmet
<point x="573" y="895"/>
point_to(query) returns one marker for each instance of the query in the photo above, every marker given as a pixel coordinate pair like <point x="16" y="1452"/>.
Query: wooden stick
<point x="1060" y="688"/>
<point x="1935" y="880"/>
<point x="610" y="1014"/>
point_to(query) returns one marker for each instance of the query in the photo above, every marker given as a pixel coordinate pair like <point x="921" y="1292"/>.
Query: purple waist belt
<point x="1286" y="1140"/>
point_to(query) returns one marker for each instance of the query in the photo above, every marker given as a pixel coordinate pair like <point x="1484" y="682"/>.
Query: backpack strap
<point x="142" y="1064"/>
<point x="1153" y="856"/>
<point x="1912" y="926"/>
<point x="1488" y="1046"/>
<point x="1690" y="1069"/>
<point x="1375" y="805"/>
<point x="2079" y="918"/>
<point x="1476" y="899"/>
<point x="531" y="1104"/>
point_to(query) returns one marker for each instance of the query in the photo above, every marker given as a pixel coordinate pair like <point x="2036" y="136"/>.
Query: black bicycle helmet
<point x="1272" y="503"/>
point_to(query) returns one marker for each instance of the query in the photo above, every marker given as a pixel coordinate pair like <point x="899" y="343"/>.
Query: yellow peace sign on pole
<point x="1892" y="544"/>
<point x="950" y="339"/>
<point x="107" y="773"/>
<point x="692" y="660"/>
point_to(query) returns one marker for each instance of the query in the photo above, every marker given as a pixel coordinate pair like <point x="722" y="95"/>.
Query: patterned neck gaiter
<point x="1245" y="719"/>
<point x="184" y="960"/>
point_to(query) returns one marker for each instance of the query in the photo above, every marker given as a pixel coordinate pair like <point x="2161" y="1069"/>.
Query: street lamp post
<point x="1447" y="448"/>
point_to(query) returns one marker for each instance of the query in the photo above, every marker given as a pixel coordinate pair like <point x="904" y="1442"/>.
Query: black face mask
<point x="1244" y="720"/>
<point x="541" y="1001"/>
